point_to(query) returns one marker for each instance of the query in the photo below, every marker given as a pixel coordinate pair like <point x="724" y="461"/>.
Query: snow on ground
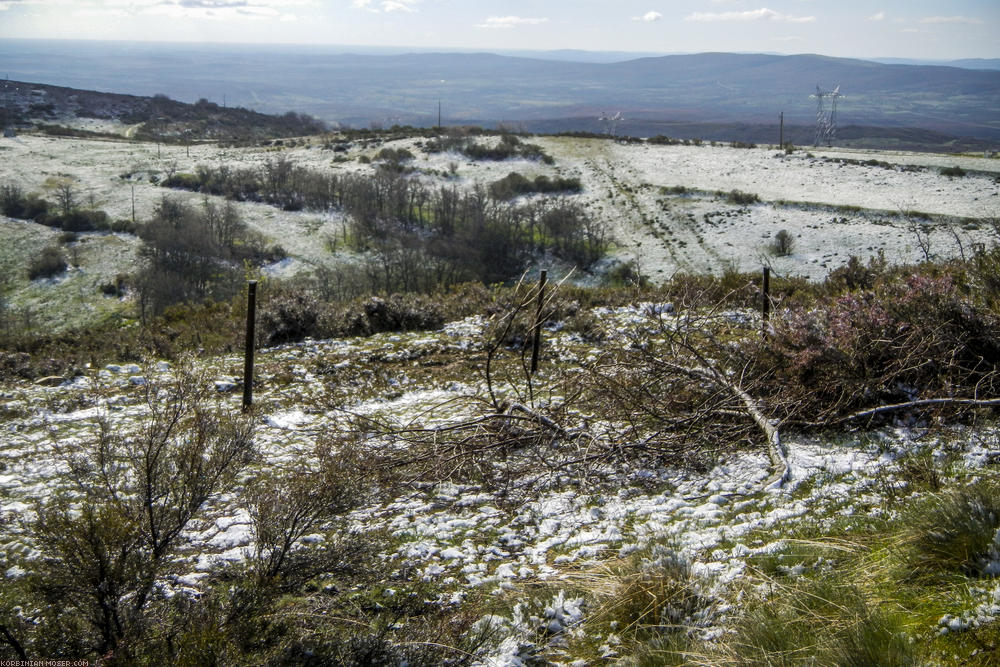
<point x="461" y="535"/>
<point x="624" y="186"/>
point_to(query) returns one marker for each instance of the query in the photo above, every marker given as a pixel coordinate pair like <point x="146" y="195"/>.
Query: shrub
<point x="182" y="181"/>
<point x="84" y="221"/>
<point x="15" y="204"/>
<point x="398" y="313"/>
<point x="782" y="244"/>
<point x="288" y="318"/>
<point x="394" y="155"/>
<point x="881" y="345"/>
<point x="515" y="184"/>
<point x="854" y="275"/>
<point x="625" y="274"/>
<point x="741" y="198"/>
<point x="953" y="172"/>
<point x="51" y="261"/>
<point x="107" y="540"/>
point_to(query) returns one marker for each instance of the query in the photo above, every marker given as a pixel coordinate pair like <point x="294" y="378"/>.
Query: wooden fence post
<point x="536" y="344"/>
<point x="765" y="300"/>
<point x="249" y="345"/>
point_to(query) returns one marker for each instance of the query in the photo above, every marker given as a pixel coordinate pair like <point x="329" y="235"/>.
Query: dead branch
<point x="775" y="448"/>
<point x="909" y="405"/>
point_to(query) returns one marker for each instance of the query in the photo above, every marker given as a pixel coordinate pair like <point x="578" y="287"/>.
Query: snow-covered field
<point x="831" y="209"/>
<point x="463" y="537"/>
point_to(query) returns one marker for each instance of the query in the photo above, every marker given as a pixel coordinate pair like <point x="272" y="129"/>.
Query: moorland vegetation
<point x="99" y="567"/>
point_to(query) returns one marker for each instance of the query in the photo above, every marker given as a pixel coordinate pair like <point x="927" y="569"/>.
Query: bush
<point x="908" y="334"/>
<point x="15" y="204"/>
<point x="515" y="184"/>
<point x="782" y="244"/>
<point x="953" y="172"/>
<point x="51" y="261"/>
<point x="394" y="155"/>
<point x="288" y="318"/>
<point x="396" y="313"/>
<point x="182" y="181"/>
<point x="625" y="274"/>
<point x="854" y="275"/>
<point x="83" y="221"/>
<point x="741" y="198"/>
<point x="108" y="538"/>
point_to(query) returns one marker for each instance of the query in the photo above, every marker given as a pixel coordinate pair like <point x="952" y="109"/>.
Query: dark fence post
<point x="765" y="299"/>
<point x="536" y="344"/>
<point x="249" y="346"/>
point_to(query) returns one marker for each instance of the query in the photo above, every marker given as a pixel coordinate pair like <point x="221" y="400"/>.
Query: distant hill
<point x="486" y="88"/>
<point x="966" y="63"/>
<point x="157" y="117"/>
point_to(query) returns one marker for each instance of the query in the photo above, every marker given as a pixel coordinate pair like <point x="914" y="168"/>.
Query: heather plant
<point x="918" y="336"/>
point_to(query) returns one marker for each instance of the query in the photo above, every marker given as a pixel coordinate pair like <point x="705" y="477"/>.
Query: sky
<point x="849" y="28"/>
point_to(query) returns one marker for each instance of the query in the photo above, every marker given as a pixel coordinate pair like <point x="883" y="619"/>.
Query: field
<point x="678" y="483"/>
<point x="665" y="207"/>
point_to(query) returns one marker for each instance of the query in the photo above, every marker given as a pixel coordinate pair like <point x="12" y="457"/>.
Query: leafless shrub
<point x="108" y="538"/>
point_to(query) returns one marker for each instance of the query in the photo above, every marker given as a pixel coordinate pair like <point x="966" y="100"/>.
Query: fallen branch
<point x="972" y="402"/>
<point x="775" y="449"/>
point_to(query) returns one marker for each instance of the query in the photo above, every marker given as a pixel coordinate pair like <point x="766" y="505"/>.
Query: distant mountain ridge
<point x="486" y="88"/>
<point x="966" y="63"/>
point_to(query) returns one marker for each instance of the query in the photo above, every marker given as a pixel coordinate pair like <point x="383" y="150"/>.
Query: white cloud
<point x="386" y="6"/>
<point x="509" y="22"/>
<point x="951" y="19"/>
<point x="648" y="17"/>
<point x="880" y="16"/>
<point x="213" y="10"/>
<point x="762" y="14"/>
<point x="10" y="4"/>
<point x="394" y="6"/>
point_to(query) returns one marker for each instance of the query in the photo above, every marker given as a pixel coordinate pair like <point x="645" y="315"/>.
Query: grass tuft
<point x="954" y="531"/>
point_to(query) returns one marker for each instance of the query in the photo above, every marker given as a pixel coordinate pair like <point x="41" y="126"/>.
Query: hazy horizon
<point x="923" y="30"/>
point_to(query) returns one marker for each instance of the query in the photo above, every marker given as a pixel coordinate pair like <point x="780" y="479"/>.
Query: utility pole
<point x="781" y="130"/>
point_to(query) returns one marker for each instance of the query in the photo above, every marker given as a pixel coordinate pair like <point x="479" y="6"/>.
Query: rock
<point x="226" y="385"/>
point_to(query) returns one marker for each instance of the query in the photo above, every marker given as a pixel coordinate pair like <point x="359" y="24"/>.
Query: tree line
<point x="415" y="236"/>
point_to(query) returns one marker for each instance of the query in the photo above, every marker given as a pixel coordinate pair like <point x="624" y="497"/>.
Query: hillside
<point x="26" y="105"/>
<point x="680" y="481"/>
<point x="484" y="88"/>
<point x="664" y="208"/>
